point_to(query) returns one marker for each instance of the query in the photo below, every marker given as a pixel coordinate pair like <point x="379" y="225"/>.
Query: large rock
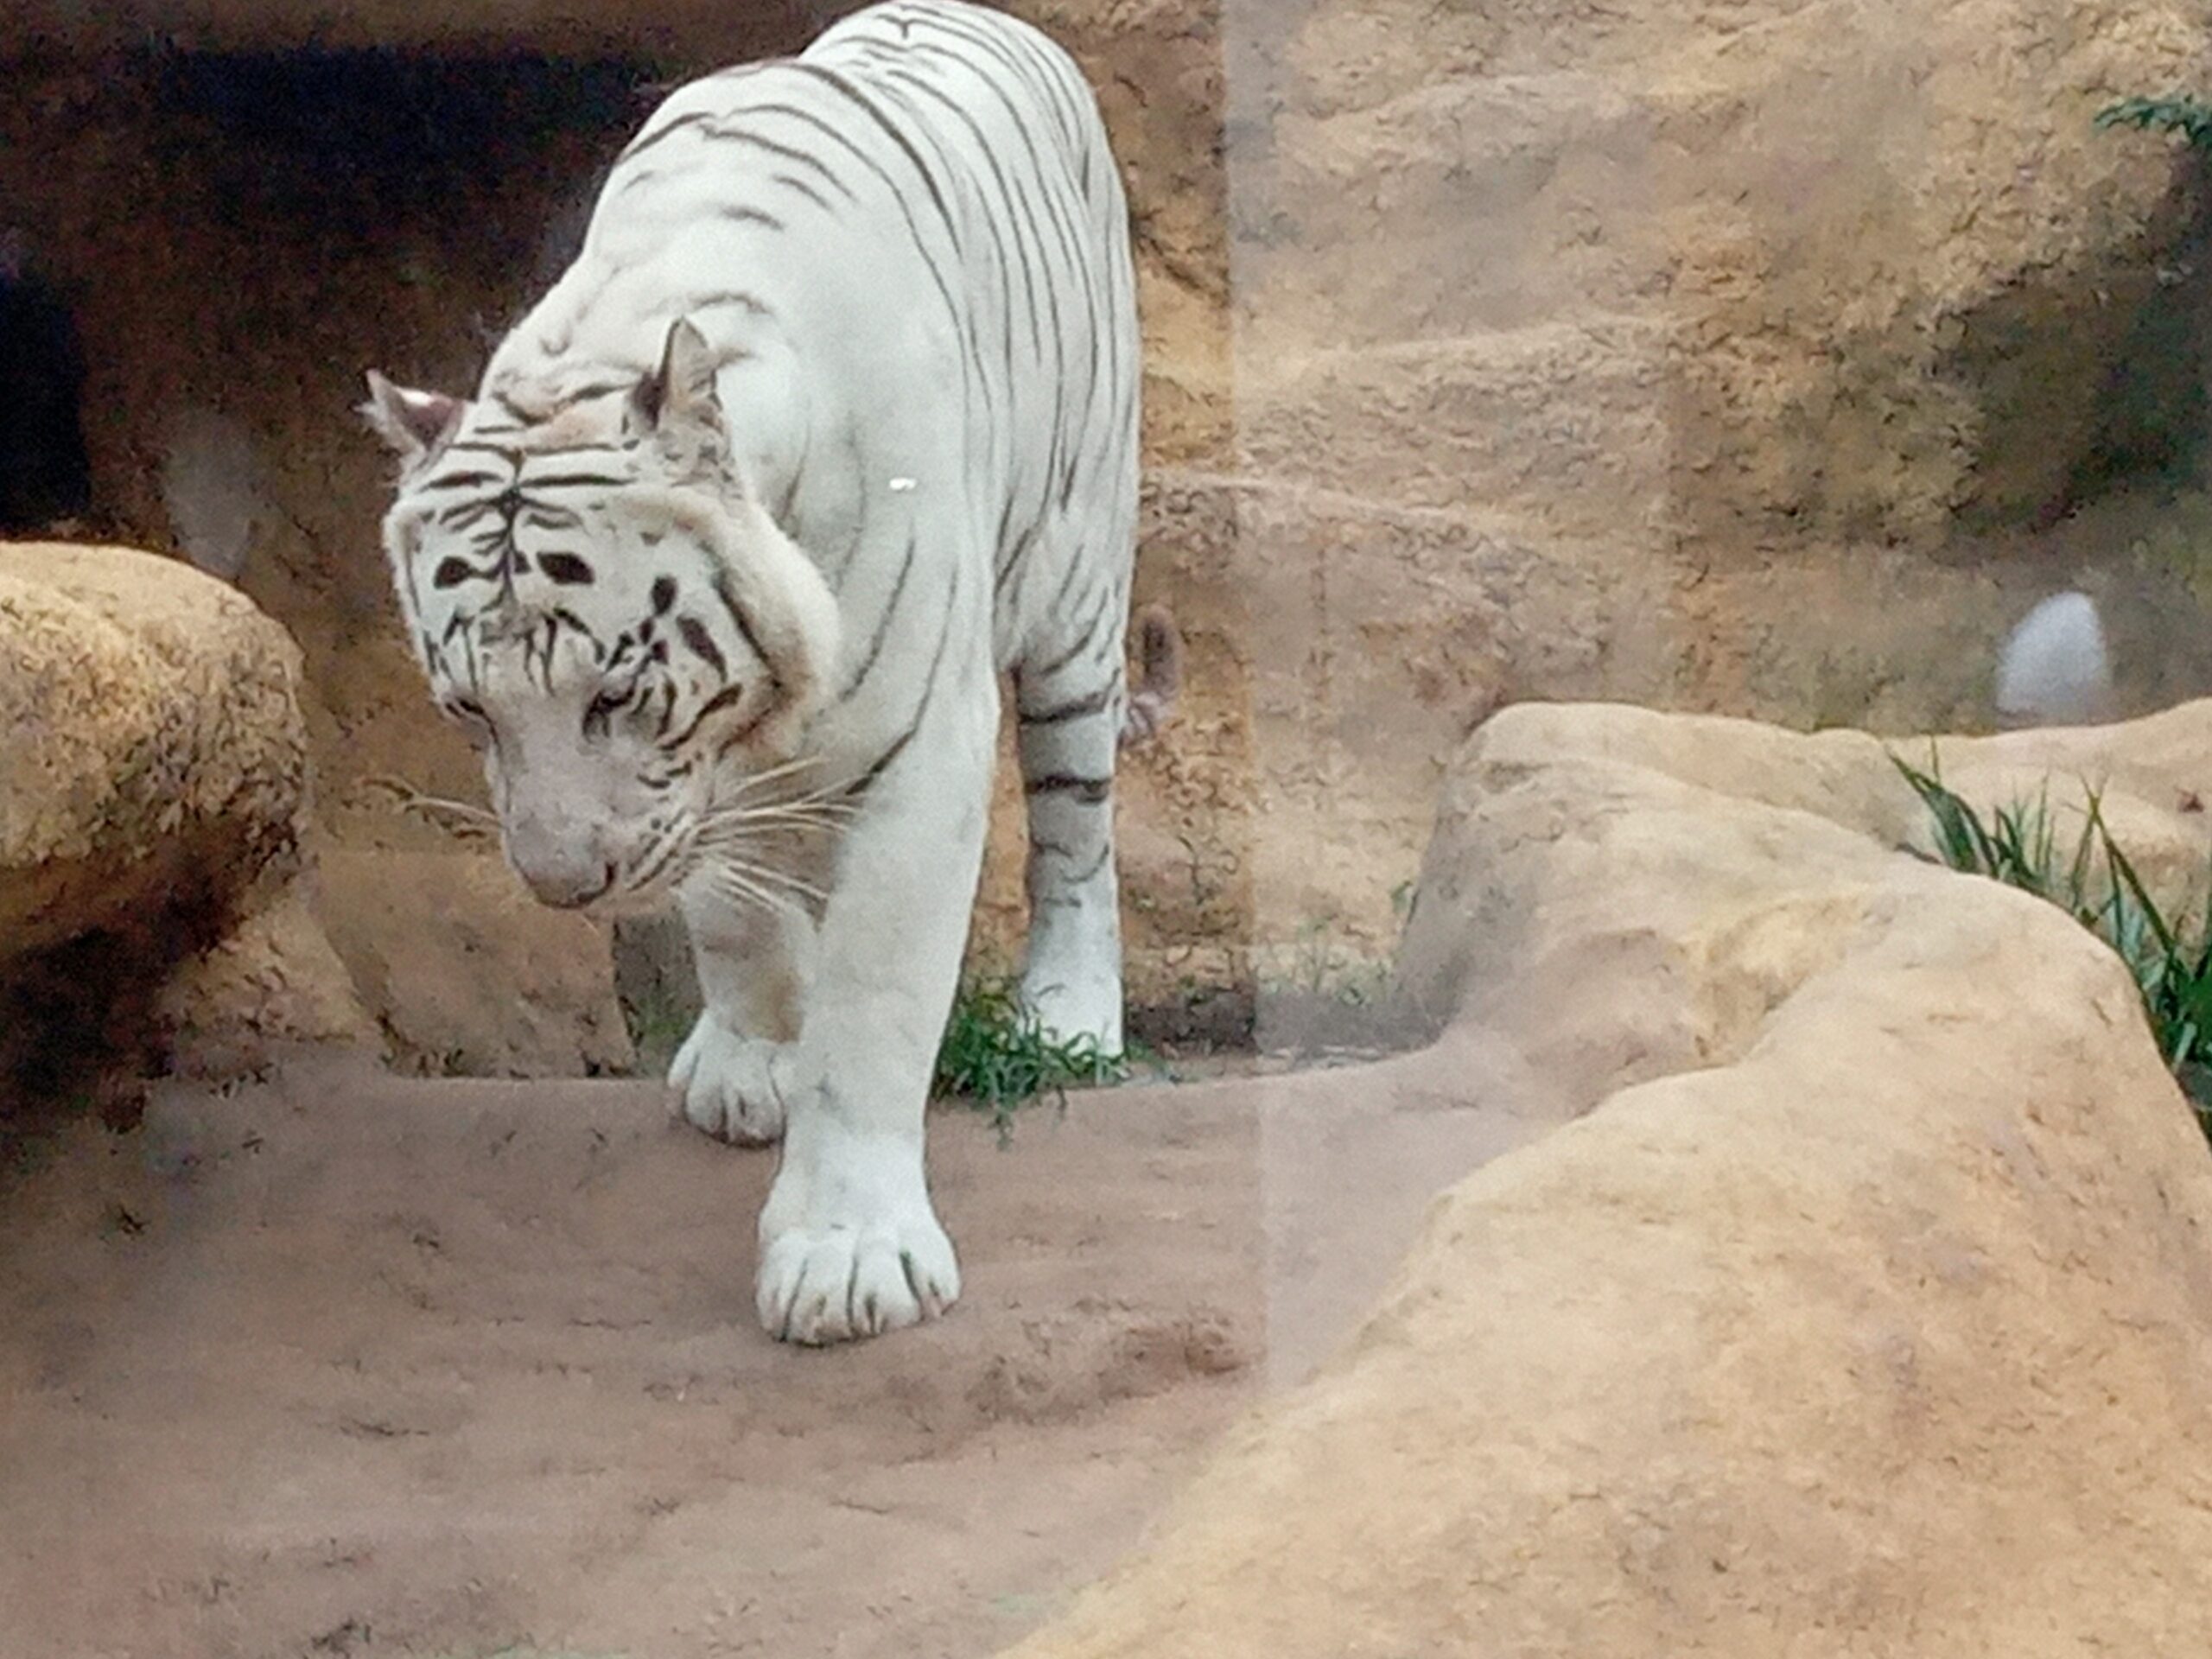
<point x="153" y="785"/>
<point x="1868" y="1308"/>
<point x="153" y="738"/>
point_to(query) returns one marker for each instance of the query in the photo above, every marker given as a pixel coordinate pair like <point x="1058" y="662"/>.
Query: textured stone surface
<point x="1866" y="1307"/>
<point x="153" y="738"/>
<point x="467" y="974"/>
<point x="571" y="27"/>
<point x="1687" y="334"/>
<point x="1779" y="262"/>
<point x="153" y="788"/>
<point x="271" y="982"/>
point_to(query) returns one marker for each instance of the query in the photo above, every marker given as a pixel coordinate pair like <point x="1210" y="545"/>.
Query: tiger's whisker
<point x="784" y="879"/>
<point x="772" y="819"/>
<point x="826" y="802"/>
<point x="753" y="870"/>
<point x="775" y="774"/>
<point x="409" y="798"/>
<point x="732" y="885"/>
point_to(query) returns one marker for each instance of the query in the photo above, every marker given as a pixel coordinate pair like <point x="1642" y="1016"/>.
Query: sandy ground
<point x="341" y="1364"/>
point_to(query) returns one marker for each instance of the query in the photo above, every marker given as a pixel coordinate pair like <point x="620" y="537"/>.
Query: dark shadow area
<point x="81" y="1028"/>
<point x="44" y="473"/>
<point x="2151" y="415"/>
<point x="1209" y="1020"/>
<point x="350" y="142"/>
<point x="2136" y="339"/>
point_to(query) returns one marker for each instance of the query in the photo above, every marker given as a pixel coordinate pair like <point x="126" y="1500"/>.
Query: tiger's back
<point x="923" y="206"/>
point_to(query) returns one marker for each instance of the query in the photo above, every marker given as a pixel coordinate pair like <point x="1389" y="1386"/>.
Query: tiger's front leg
<point x="850" y="1245"/>
<point x="735" y="1073"/>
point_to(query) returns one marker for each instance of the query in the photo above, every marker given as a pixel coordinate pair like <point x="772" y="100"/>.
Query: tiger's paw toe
<point x="842" y="1284"/>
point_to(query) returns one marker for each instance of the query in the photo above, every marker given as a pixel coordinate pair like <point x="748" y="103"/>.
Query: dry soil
<point x="344" y="1364"/>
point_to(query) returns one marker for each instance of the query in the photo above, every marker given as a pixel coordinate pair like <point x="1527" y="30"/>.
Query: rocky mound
<point x="1867" y="1310"/>
<point x="153" y="788"/>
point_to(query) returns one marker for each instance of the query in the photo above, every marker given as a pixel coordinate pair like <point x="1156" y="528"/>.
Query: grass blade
<point x="2171" y="960"/>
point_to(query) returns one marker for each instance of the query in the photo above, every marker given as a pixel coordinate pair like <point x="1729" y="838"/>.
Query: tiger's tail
<point x="1159" y="657"/>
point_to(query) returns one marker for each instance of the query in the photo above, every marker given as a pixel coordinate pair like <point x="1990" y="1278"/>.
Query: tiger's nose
<point x="566" y="872"/>
<point x="569" y="888"/>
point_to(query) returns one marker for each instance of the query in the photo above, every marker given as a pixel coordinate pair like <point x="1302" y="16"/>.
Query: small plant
<point x="1320" y="965"/>
<point x="2188" y="117"/>
<point x="995" y="1053"/>
<point x="657" y="1023"/>
<point x="2170" y="957"/>
<point x="2017" y="847"/>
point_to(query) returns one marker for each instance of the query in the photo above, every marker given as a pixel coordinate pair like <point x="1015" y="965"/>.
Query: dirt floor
<point x="345" y="1364"/>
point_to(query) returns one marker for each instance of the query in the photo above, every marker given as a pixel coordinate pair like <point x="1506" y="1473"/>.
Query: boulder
<point x="153" y="785"/>
<point x="1863" y="1302"/>
<point x="1770" y="268"/>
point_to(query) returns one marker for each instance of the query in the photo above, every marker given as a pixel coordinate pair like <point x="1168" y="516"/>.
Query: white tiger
<point x="833" y="417"/>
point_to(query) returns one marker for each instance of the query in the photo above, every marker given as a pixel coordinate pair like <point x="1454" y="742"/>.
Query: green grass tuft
<point x="995" y="1054"/>
<point x="2189" y="116"/>
<point x="657" y="1023"/>
<point x="2170" y="957"/>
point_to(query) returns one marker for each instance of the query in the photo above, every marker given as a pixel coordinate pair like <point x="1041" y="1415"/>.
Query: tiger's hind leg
<point x="1068" y="714"/>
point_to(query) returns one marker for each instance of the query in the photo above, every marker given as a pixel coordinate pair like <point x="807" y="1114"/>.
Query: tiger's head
<point x="599" y="599"/>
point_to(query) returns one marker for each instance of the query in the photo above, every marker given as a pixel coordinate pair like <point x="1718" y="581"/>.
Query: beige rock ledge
<point x="153" y="781"/>
<point x="1868" y="1307"/>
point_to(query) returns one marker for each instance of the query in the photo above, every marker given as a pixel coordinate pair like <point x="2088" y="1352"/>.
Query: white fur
<point x="849" y="1244"/>
<point x="899" y="516"/>
<point x="733" y="1086"/>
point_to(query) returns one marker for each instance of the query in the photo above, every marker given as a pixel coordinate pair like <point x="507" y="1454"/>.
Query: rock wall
<point x="573" y="29"/>
<point x="1771" y="359"/>
<point x="1863" y="1302"/>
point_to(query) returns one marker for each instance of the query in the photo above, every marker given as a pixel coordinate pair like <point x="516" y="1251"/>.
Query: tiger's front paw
<point x="852" y="1252"/>
<point x="840" y="1284"/>
<point x="730" y="1085"/>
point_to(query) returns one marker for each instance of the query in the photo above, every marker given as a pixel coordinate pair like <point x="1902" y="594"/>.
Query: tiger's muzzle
<point x="563" y="869"/>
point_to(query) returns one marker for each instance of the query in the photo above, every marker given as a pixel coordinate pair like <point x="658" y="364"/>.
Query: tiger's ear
<point x="413" y="424"/>
<point x="677" y="402"/>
